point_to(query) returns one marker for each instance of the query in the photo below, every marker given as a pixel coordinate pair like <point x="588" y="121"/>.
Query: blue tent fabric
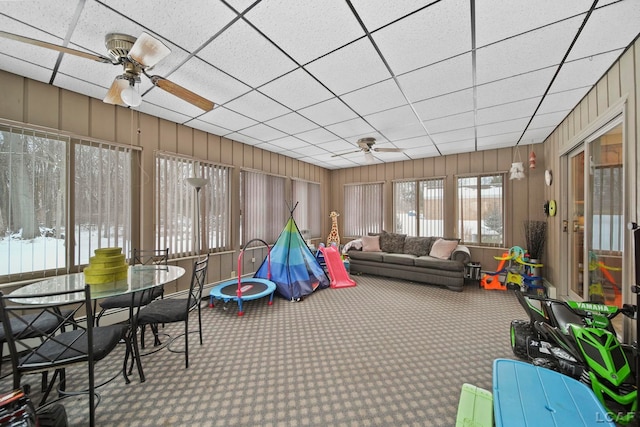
<point x="294" y="269"/>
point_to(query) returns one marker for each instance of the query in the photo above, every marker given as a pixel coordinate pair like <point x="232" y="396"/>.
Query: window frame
<point x="459" y="230"/>
<point x="419" y="204"/>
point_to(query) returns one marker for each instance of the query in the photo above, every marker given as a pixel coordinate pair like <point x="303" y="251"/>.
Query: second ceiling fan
<point x="367" y="147"/>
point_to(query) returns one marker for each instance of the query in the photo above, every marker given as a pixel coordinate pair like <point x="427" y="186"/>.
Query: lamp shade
<point x="517" y="170"/>
<point x="131" y="97"/>
<point x="197" y="183"/>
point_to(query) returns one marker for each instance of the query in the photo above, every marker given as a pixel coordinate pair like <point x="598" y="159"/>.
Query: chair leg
<point x="186" y="343"/>
<point x="200" y="324"/>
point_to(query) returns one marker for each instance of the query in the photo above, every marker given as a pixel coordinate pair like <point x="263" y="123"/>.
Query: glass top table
<point x="140" y="278"/>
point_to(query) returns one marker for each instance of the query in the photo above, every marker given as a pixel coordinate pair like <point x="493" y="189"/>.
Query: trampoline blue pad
<point x="252" y="288"/>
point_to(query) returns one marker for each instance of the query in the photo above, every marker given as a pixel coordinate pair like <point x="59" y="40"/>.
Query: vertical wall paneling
<point x="74" y="113"/>
<point x="41" y="106"/>
<point x="102" y="120"/>
<point x="184" y="140"/>
<point x="200" y="147"/>
<point x="13" y="90"/>
<point x="168" y="136"/>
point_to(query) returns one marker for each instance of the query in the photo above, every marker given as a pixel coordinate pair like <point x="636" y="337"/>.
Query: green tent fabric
<point x="294" y="269"/>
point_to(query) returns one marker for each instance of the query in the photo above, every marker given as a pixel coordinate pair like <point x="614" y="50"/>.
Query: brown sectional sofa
<point x="409" y="258"/>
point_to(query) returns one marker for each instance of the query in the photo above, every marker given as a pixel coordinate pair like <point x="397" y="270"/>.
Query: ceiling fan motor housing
<point x="119" y="45"/>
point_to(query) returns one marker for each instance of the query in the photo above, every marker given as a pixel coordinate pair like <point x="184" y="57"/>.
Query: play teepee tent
<point x="294" y="269"/>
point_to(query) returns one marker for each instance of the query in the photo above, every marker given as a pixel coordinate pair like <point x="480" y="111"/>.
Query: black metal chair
<point x="58" y="348"/>
<point x="174" y="310"/>
<point x="145" y="257"/>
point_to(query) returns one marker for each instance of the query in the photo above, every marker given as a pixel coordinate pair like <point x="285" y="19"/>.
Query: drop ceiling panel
<point x="511" y="110"/>
<point x="73" y="84"/>
<point x="562" y="101"/>
<point x="164" y="113"/>
<point x="240" y="137"/>
<point x="438" y="79"/>
<point x="173" y="21"/>
<point x="400" y="116"/>
<point x="458" y="147"/>
<point x="208" y="127"/>
<point x="453" y="136"/>
<point x="350" y="128"/>
<point x="328" y="112"/>
<point x="409" y="143"/>
<point x="316" y="136"/>
<point x="27" y="53"/>
<point x="537" y="49"/>
<point x="498" y="141"/>
<point x="263" y="132"/>
<point x="394" y="133"/>
<point x="247" y="55"/>
<point x="390" y="157"/>
<point x="583" y="72"/>
<point x="377" y="97"/>
<point x="378" y="13"/>
<point x="546" y="120"/>
<point x="456" y="121"/>
<point x="350" y="68"/>
<point x="516" y="88"/>
<point x="609" y="28"/>
<point x="292" y="123"/>
<point x="223" y="117"/>
<point x="445" y="105"/>
<point x="290" y="143"/>
<point x="297" y="89"/>
<point x="25" y="69"/>
<point x="43" y="16"/>
<point x="437" y="32"/>
<point x="538" y="135"/>
<point x="421" y="152"/>
<point x="257" y="106"/>
<point x="500" y="19"/>
<point x="506" y="126"/>
<point x="319" y="26"/>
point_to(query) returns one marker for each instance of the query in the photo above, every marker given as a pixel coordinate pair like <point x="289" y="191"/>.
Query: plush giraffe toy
<point x="333" y="237"/>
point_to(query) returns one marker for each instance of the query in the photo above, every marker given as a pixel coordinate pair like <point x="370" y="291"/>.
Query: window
<point x="263" y="207"/>
<point x="55" y="212"/>
<point x="362" y="209"/>
<point x="419" y="207"/>
<point x="481" y="209"/>
<point x="307" y="212"/>
<point x="177" y="202"/>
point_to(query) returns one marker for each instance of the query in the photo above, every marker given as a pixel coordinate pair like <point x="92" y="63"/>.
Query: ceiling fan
<point x="136" y="56"/>
<point x="367" y="146"/>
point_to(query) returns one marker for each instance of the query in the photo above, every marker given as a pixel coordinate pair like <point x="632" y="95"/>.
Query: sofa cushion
<point x="392" y="242"/>
<point x="403" y="259"/>
<point x="366" y="256"/>
<point x="437" y="263"/>
<point x="418" y="246"/>
<point x="443" y="248"/>
<point x="371" y="243"/>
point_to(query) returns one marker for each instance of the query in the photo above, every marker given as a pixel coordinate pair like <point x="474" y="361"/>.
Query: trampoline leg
<point x="210" y="302"/>
<point x="271" y="299"/>
<point x="240" y="312"/>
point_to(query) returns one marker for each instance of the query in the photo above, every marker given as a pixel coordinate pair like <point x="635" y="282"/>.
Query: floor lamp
<point x="197" y="183"/>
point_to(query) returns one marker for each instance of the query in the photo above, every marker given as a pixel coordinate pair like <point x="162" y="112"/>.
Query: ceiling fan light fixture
<point x="130" y="95"/>
<point x="368" y="158"/>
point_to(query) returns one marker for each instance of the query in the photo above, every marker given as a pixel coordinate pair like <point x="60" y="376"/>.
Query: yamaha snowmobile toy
<point x="578" y="340"/>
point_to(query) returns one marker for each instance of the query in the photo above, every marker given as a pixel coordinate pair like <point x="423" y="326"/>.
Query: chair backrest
<point x="150" y="256"/>
<point x="22" y="319"/>
<point x="197" y="282"/>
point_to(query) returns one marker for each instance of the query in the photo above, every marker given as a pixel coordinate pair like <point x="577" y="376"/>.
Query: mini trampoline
<point x="244" y="289"/>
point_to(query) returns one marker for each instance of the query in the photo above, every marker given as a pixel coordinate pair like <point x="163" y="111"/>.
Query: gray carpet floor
<point x="383" y="353"/>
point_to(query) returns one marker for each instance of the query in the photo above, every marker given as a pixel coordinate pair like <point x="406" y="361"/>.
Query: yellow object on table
<point x="107" y="269"/>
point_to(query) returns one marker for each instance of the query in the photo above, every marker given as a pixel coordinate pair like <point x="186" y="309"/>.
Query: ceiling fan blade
<point x="52" y="46"/>
<point x="387" y="150"/>
<point x="182" y="93"/>
<point x="113" y="95"/>
<point x="148" y="51"/>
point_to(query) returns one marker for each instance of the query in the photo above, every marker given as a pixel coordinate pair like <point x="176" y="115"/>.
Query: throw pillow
<point x="443" y="248"/>
<point x="392" y="243"/>
<point x="417" y="246"/>
<point x="370" y="243"/>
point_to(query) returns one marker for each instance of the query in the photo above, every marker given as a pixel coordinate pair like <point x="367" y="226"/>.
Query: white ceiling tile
<point x="350" y="128"/>
<point x="422" y="152"/>
<point x="499" y="141"/>
<point x="338" y="146"/>
<point x="507" y="126"/>
<point x="164" y="113"/>
<point x="453" y="136"/>
<point x="227" y="119"/>
<point x="583" y="72"/>
<point x="44" y="16"/>
<point x="208" y="127"/>
<point x="290" y="143"/>
<point x="438" y="79"/>
<point x="328" y="112"/>
<point x="257" y="106"/>
<point x="311" y="150"/>
<point x="160" y="97"/>
<point x="609" y="28"/>
<point x="306" y="30"/>
<point x="400" y="116"/>
<point x="375" y="98"/>
<point x="247" y="55"/>
<point x="440" y="31"/>
<point x="516" y="88"/>
<point x="546" y="120"/>
<point x="411" y="143"/>
<point x="240" y="5"/>
<point x="240" y="137"/>
<point x="352" y="67"/>
<point x="534" y="136"/>
<point x="263" y="132"/>
<point x="500" y="19"/>
<point x="530" y="51"/>
<point x="395" y="133"/>
<point x="25" y="69"/>
<point x="445" y="105"/>
<point x="376" y="13"/>
<point x="74" y="84"/>
<point x="296" y="90"/>
<point x="511" y="110"/>
<point x="391" y="157"/>
<point x="562" y="101"/>
<point x="464" y="146"/>
<point x="292" y="123"/>
<point x="22" y="52"/>
<point x="316" y="136"/>
<point x="457" y="121"/>
<point x="180" y="26"/>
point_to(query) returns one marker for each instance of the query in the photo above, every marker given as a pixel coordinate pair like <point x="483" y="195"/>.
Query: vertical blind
<point x="307" y="213"/>
<point x="362" y="209"/>
<point x="263" y="206"/>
